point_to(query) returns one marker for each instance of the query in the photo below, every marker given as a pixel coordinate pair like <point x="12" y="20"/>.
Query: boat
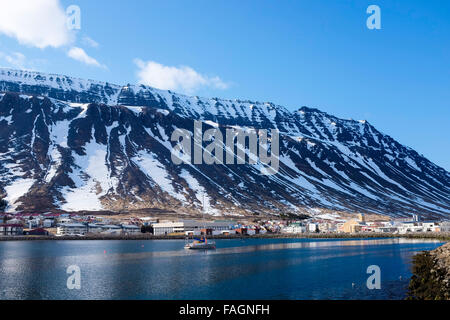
<point x="201" y="244"/>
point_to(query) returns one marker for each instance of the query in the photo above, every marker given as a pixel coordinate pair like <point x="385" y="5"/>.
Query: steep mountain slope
<point x="84" y="145"/>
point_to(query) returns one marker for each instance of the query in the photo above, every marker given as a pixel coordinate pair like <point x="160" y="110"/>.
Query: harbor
<point x="249" y="268"/>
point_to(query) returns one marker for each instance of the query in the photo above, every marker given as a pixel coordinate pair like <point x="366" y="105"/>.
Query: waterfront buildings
<point x="9" y="229"/>
<point x="74" y="224"/>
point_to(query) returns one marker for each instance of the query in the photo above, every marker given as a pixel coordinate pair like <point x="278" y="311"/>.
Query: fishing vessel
<point x="201" y="244"/>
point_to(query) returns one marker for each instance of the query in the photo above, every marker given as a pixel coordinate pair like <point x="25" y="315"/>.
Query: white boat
<point x="202" y="244"/>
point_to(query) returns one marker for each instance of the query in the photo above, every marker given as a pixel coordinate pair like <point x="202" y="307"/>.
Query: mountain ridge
<point x="326" y="163"/>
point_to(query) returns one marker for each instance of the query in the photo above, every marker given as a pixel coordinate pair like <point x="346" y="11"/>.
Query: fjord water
<point x="238" y="269"/>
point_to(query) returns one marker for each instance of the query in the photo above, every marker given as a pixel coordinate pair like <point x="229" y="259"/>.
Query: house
<point x="9" y="229"/>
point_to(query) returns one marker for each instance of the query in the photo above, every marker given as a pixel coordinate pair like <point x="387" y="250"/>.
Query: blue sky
<point x="294" y="53"/>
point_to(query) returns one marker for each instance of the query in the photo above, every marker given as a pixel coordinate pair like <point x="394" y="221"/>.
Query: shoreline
<point x="431" y="275"/>
<point x="146" y="237"/>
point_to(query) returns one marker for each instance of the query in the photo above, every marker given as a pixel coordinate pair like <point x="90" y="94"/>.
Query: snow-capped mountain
<point x="73" y="144"/>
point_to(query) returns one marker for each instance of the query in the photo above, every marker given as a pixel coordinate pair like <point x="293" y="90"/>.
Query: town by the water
<point x="29" y="225"/>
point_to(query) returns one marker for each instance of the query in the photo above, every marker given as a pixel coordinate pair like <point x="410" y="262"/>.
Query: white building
<point x="313" y="227"/>
<point x="445" y="226"/>
<point x="112" y="229"/>
<point x="386" y="229"/>
<point x="95" y="228"/>
<point x="130" y="229"/>
<point x="227" y="232"/>
<point x="418" y="226"/>
<point x="33" y="223"/>
<point x="48" y="223"/>
<point x="190" y="227"/>
<point x="327" y="227"/>
<point x="165" y="228"/>
<point x="71" y="229"/>
<point x="15" y="221"/>
<point x="294" y="228"/>
<point x="65" y="220"/>
<point x="11" y="229"/>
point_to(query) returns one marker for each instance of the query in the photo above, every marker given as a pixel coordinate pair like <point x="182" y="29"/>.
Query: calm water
<point x="238" y="269"/>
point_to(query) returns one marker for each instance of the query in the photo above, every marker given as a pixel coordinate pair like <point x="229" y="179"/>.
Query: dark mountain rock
<point x="74" y="144"/>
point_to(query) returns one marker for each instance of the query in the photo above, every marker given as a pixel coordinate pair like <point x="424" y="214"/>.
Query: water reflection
<point x="238" y="269"/>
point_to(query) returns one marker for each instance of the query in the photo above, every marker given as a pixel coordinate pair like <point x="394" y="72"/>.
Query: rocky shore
<point x="431" y="275"/>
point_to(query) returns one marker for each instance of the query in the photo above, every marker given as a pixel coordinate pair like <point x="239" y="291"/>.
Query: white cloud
<point x="16" y="59"/>
<point x="90" y="42"/>
<point x="80" y="55"/>
<point x="41" y="24"/>
<point x="38" y="23"/>
<point x="183" y="78"/>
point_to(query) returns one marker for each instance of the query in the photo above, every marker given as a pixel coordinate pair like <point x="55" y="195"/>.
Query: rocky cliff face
<point x="74" y="144"/>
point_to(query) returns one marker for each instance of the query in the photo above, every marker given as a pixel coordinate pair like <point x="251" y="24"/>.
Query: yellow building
<point x="351" y="226"/>
<point x="361" y="217"/>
